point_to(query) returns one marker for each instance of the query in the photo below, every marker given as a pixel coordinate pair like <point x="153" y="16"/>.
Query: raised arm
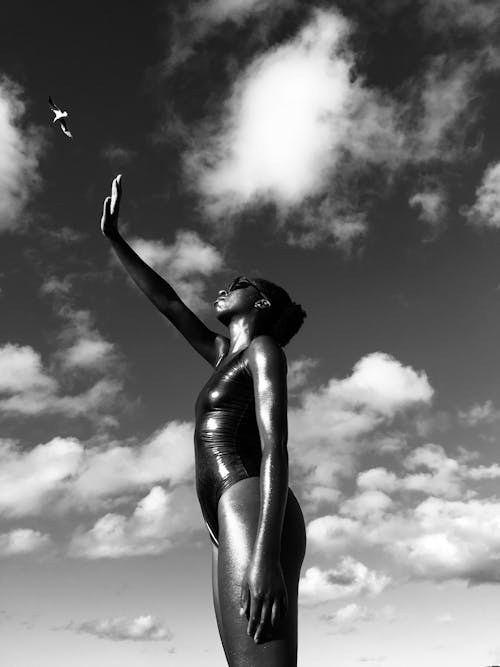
<point x="208" y="343"/>
<point x="264" y="597"/>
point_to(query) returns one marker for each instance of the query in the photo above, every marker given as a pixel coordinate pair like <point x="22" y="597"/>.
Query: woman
<point x="254" y="520"/>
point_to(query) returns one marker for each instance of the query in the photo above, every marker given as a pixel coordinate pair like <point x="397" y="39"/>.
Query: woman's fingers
<point x="276" y="613"/>
<point x="116" y="195"/>
<point x="245" y="601"/>
<point x="254" y="619"/>
<point x="264" y="619"/>
<point x="105" y="209"/>
<point x="106" y="216"/>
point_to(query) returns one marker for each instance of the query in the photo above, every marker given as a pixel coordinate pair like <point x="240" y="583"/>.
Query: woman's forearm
<point x="154" y="286"/>
<point x="273" y="497"/>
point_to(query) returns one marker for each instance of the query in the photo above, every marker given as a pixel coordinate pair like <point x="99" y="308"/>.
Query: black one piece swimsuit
<point x="227" y="441"/>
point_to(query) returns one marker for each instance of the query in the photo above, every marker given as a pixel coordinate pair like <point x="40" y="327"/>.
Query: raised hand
<point x="111" y="209"/>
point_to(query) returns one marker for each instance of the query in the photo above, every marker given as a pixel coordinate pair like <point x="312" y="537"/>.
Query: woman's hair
<point x="287" y="316"/>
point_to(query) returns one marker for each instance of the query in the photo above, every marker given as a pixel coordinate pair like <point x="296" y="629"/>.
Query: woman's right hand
<point x="109" y="220"/>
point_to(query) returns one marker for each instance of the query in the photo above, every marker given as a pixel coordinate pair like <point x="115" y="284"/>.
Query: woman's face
<point x="238" y="299"/>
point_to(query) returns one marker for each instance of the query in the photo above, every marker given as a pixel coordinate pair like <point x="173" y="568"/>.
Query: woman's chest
<point x="228" y="386"/>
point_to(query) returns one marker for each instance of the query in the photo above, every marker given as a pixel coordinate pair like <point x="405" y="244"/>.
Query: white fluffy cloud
<point x="115" y="469"/>
<point x="88" y="353"/>
<point x="485" y="212"/>
<point x="26" y="388"/>
<point x="185" y="263"/>
<point x="157" y="522"/>
<point x="288" y="123"/>
<point x="62" y="473"/>
<point x="455" y="539"/>
<point x="29" y="480"/>
<point x="451" y="534"/>
<point x="430" y="471"/>
<point x="23" y="541"/>
<point x="21" y="370"/>
<point x="298" y="125"/>
<point x="20" y="149"/>
<point x="298" y="372"/>
<point x="329" y="427"/>
<point x="120" y="628"/>
<point x="83" y="347"/>
<point x="349" y="578"/>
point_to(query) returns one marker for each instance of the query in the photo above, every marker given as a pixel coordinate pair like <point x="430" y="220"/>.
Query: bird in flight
<point x="59" y="117"/>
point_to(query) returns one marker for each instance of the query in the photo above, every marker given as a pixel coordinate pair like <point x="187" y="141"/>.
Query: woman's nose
<point x="222" y="292"/>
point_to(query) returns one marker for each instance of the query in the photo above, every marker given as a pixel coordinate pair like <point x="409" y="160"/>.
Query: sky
<point x="349" y="151"/>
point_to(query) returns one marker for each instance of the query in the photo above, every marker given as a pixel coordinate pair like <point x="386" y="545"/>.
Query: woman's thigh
<point x="215" y="590"/>
<point x="238" y="514"/>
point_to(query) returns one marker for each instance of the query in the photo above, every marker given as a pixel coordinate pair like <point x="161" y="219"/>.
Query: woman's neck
<point x="242" y="330"/>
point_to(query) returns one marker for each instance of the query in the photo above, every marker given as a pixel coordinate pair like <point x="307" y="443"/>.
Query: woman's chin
<point x="222" y="315"/>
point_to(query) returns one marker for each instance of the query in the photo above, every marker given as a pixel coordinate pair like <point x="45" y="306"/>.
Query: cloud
<point x="56" y="286"/>
<point x="23" y="541"/>
<point x="20" y="151"/>
<point x="141" y="628"/>
<point x="476" y="15"/>
<point x="83" y="346"/>
<point x="451" y="534"/>
<point x="300" y="128"/>
<point x="479" y="414"/>
<point x="40" y="395"/>
<point x="29" y="480"/>
<point x="63" y="474"/>
<point x="88" y="353"/>
<point x="21" y="370"/>
<point x="331" y="425"/>
<point x="441" y="107"/>
<point x="436" y="474"/>
<point x="196" y="20"/>
<point x="432" y="206"/>
<point x="456" y="539"/>
<point x="167" y="455"/>
<point x="185" y="262"/>
<point x="217" y="11"/>
<point x="348" y="618"/>
<point x="485" y="212"/>
<point x="349" y="578"/>
<point x="156" y="524"/>
<point x="372" y="501"/>
<point x="29" y="390"/>
<point x="288" y="122"/>
<point x="298" y="372"/>
<point x="117" y="154"/>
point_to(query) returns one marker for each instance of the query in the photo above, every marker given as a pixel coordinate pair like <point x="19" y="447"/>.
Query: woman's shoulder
<point x="266" y="348"/>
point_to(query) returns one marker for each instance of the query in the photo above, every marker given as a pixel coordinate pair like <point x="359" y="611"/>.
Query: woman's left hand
<point x="264" y="598"/>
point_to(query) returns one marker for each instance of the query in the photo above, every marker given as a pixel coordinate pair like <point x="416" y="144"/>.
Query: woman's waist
<point x="225" y="423"/>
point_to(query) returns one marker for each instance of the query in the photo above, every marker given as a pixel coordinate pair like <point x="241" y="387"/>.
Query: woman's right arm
<point x="209" y="344"/>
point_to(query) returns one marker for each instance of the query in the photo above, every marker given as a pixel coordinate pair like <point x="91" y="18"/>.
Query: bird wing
<point x="64" y="128"/>
<point x="53" y="106"/>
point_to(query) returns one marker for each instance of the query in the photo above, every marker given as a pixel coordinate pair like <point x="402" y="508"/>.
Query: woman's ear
<point x="261" y="304"/>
